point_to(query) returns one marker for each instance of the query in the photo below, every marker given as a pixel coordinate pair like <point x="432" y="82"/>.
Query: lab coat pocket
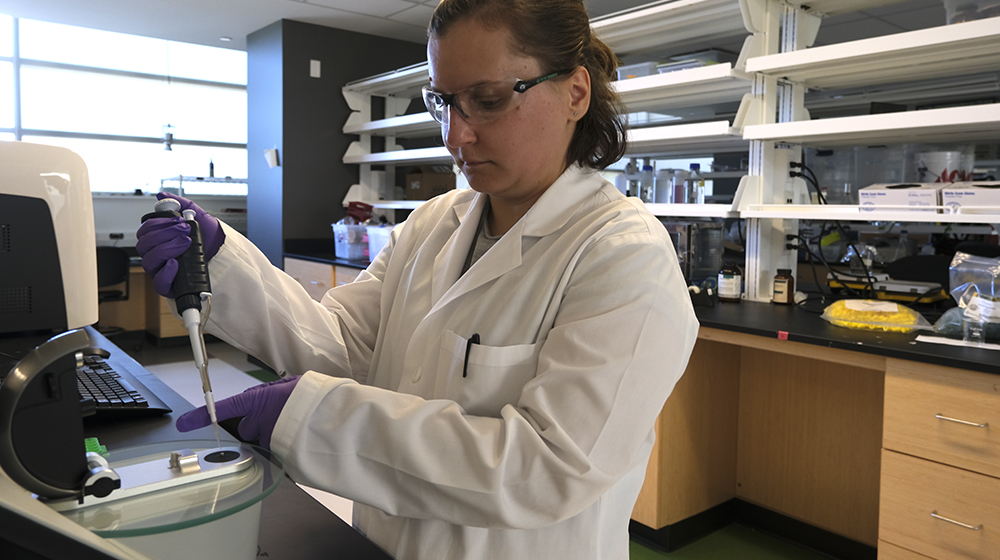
<point x="495" y="375"/>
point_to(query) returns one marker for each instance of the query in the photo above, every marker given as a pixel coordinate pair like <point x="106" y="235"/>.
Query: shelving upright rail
<point x="945" y="51"/>
<point x="770" y="78"/>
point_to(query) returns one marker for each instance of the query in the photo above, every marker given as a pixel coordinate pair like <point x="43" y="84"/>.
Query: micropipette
<point x="192" y="288"/>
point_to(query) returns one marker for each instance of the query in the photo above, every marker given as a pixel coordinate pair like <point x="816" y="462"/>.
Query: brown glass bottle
<point x="784" y="287"/>
<point x="730" y="284"/>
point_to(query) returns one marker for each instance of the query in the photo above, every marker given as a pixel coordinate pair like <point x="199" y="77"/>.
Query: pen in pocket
<point x="474" y="339"/>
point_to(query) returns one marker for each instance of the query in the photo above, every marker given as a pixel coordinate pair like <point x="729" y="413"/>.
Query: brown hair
<point x="557" y="34"/>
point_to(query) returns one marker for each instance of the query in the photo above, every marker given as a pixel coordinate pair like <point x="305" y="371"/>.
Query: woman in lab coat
<point x="488" y="387"/>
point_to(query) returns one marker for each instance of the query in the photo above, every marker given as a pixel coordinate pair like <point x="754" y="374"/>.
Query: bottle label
<point x="781" y="291"/>
<point x="730" y="286"/>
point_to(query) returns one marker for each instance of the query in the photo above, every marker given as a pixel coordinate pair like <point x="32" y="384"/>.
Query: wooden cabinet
<point x="693" y="463"/>
<point x="143" y="310"/>
<point x="129" y="314"/>
<point x="160" y="321"/>
<point x="316" y="277"/>
<point x="345" y="274"/>
<point x="940" y="473"/>
<point x="794" y="428"/>
<point x="939" y="510"/>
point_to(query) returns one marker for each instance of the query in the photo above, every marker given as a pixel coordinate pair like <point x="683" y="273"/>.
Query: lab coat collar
<point x="561" y="201"/>
<point x="551" y="212"/>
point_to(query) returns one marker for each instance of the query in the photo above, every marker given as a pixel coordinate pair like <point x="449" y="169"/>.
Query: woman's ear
<point x="579" y="93"/>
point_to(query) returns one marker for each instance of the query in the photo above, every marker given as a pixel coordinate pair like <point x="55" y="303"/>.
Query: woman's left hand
<point x="259" y="406"/>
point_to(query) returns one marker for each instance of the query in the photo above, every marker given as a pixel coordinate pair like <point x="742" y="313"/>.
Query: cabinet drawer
<point x="943" y="414"/>
<point x="889" y="551"/>
<point x="914" y="490"/>
<point x="345" y="274"/>
<point x="315" y="277"/>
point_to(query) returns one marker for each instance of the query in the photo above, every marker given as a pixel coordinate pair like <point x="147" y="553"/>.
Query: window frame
<point x="19" y="131"/>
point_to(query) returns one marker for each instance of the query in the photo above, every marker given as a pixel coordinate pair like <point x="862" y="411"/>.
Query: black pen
<point x="474" y="339"/>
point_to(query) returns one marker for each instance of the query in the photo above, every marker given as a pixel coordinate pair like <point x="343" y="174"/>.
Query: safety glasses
<point x="482" y="103"/>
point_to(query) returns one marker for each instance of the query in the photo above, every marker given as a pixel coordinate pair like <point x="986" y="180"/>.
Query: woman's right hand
<point x="160" y="241"/>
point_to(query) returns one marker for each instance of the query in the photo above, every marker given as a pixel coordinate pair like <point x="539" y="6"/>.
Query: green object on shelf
<point x="92" y="444"/>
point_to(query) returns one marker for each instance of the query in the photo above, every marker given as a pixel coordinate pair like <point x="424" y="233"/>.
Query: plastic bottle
<point x="904" y="247"/>
<point x="680" y="186"/>
<point x="632" y="178"/>
<point x="695" y="185"/>
<point x="730" y="284"/>
<point x="663" y="186"/>
<point x="646" y="184"/>
<point x="621" y="183"/>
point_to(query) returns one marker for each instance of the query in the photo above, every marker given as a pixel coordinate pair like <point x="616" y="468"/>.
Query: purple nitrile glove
<point x="259" y="406"/>
<point x="161" y="240"/>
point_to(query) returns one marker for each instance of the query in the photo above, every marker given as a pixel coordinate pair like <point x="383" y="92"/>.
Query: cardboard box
<point x="426" y="182"/>
<point x="919" y="197"/>
<point x="975" y="193"/>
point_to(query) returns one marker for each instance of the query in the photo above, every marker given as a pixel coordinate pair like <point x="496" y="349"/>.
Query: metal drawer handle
<point x="935" y="515"/>
<point x="964" y="422"/>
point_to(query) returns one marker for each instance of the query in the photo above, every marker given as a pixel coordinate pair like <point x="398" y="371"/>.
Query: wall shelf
<point x="404" y="82"/>
<point x="419" y="125"/>
<point x="910" y="67"/>
<point x="852" y="212"/>
<point x="692" y="210"/>
<point x="664" y="25"/>
<point x="952" y="50"/>
<point x="425" y="156"/>
<point x="954" y="124"/>
<point x="682" y="140"/>
<point x="837" y="7"/>
<point x="718" y="83"/>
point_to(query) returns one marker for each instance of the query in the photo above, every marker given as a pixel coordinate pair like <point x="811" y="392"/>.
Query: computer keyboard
<point x="115" y="393"/>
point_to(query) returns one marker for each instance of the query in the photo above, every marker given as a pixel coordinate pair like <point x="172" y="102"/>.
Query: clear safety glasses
<point x="484" y="102"/>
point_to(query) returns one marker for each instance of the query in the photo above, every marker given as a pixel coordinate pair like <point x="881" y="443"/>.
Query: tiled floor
<point x="174" y="365"/>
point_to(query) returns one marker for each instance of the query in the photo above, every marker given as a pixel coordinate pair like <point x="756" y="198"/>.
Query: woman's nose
<point x="456" y="131"/>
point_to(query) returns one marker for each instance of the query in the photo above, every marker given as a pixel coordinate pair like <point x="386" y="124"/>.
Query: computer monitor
<point x="48" y="263"/>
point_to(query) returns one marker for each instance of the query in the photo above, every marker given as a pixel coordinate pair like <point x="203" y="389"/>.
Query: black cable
<point x="829" y="269"/>
<point x="811" y="178"/>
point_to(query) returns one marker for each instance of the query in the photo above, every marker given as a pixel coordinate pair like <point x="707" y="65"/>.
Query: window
<point x="6" y="94"/>
<point x="108" y="97"/>
<point x="6" y="36"/>
<point x="122" y="166"/>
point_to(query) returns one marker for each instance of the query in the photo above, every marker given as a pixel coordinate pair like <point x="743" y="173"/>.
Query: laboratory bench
<point x="293" y="525"/>
<point x="857" y="444"/>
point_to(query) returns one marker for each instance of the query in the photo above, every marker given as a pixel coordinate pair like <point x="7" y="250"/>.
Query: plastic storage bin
<point x="378" y="237"/>
<point x="636" y="70"/>
<point x="350" y="242"/>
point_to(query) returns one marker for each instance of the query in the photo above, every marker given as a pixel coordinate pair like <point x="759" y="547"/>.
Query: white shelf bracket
<point x="361" y="108"/>
<point x="754" y="15"/>
<point x="396" y="106"/>
<point x="747" y="193"/>
<point x="750" y="112"/>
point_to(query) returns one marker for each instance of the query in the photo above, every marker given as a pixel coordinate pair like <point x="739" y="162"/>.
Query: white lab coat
<point x="540" y="448"/>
